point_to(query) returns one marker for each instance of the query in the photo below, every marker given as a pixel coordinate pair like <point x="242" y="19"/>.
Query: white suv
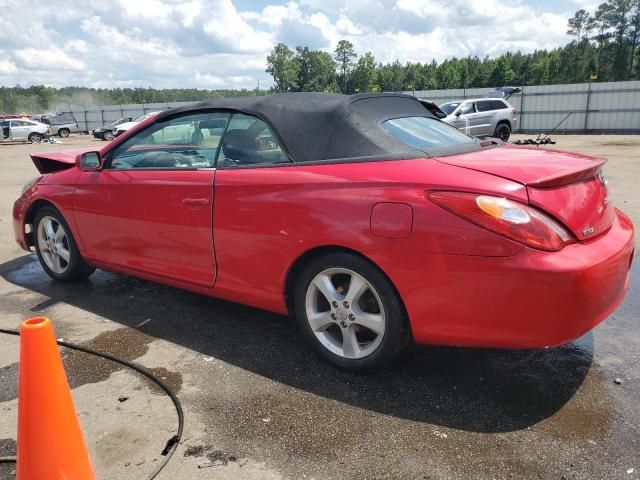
<point x="485" y="117"/>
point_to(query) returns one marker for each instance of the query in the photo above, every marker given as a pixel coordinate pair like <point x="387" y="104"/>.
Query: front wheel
<point x="107" y="135"/>
<point x="503" y="132"/>
<point x="350" y="312"/>
<point x="64" y="132"/>
<point x="56" y="248"/>
<point x="35" y="138"/>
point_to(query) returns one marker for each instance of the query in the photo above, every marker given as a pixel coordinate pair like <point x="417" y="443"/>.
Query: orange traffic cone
<point x="50" y="441"/>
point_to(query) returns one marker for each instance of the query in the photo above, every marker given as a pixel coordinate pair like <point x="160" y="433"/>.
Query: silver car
<point x="61" y="124"/>
<point x="485" y="117"/>
<point x="17" y="129"/>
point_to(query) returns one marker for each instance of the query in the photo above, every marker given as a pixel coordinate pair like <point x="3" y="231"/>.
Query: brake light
<point x="513" y="220"/>
<point x="514" y="111"/>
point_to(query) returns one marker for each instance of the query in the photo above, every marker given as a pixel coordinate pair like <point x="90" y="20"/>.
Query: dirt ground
<point x="258" y="405"/>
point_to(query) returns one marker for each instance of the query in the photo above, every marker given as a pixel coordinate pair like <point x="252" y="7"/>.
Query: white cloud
<point x="7" y="67"/>
<point x="212" y="44"/>
<point x="51" y="59"/>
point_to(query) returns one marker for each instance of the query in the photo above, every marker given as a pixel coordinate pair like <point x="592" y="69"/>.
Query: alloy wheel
<point x="53" y="244"/>
<point x="345" y="313"/>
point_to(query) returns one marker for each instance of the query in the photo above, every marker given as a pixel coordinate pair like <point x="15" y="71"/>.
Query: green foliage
<point x="605" y="45"/>
<point x="344" y="55"/>
<point x="41" y="99"/>
<point x="282" y="66"/>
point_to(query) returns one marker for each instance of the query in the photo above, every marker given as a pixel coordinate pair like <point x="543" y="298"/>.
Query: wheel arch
<point x="504" y="121"/>
<point x="31" y="215"/>
<point x="303" y="260"/>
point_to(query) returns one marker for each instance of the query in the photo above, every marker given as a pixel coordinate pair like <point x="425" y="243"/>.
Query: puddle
<point x="124" y="343"/>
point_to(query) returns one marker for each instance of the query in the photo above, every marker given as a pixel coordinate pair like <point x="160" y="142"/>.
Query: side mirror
<point x="458" y="113"/>
<point x="90" y="161"/>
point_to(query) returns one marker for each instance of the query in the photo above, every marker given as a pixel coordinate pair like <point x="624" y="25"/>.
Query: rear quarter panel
<point x="266" y="218"/>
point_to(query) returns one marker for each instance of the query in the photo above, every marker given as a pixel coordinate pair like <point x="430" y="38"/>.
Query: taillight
<point x="508" y="218"/>
<point x="514" y="111"/>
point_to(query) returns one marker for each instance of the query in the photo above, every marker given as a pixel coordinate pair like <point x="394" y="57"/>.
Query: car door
<point x="150" y="209"/>
<point x="484" y="122"/>
<point x="19" y="130"/>
<point x="464" y="121"/>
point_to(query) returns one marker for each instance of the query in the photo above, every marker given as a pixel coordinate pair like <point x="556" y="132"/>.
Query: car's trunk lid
<point x="49" y="162"/>
<point x="568" y="186"/>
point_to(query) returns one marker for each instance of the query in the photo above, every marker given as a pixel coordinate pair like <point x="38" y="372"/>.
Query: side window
<point x="484" y="105"/>
<point x="249" y="141"/>
<point x="498" y="105"/>
<point x="186" y="142"/>
<point x="467" y="108"/>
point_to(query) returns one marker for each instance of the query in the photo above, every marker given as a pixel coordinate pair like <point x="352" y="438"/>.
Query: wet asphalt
<point x="259" y="405"/>
<point x="260" y="395"/>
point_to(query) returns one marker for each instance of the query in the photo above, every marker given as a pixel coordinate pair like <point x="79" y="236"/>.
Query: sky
<point x="224" y="43"/>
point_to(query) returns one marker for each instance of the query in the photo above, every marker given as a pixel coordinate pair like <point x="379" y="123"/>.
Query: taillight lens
<point x="508" y="218"/>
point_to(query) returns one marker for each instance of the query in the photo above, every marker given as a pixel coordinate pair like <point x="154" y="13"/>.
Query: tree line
<point x="604" y="48"/>
<point x="40" y="99"/>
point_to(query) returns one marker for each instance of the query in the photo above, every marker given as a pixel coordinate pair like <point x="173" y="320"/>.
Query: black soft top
<point x="325" y="126"/>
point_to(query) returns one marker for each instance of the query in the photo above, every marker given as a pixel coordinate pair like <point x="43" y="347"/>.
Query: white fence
<point x="612" y="107"/>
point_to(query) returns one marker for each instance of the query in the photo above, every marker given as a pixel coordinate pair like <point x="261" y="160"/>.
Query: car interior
<point x="194" y="141"/>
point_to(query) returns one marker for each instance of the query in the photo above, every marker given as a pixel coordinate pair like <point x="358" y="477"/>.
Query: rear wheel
<point x="35" y="137"/>
<point x="503" y="132"/>
<point x="64" y="132"/>
<point x="107" y="135"/>
<point x="56" y="247"/>
<point x="350" y="312"/>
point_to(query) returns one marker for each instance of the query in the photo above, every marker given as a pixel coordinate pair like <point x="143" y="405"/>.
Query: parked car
<point x="23" y="130"/>
<point x="482" y="117"/>
<point x="366" y="217"/>
<point x="123" y="127"/>
<point x="106" y="131"/>
<point x="61" y="124"/>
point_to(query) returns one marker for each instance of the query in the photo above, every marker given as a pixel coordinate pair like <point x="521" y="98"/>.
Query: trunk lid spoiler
<point x="49" y="162"/>
<point x="569" y="186"/>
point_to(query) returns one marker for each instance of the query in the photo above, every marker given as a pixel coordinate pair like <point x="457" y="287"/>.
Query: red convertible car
<point x="366" y="217"/>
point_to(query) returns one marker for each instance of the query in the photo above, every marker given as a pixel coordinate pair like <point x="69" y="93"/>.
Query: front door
<point x="19" y="130"/>
<point x="151" y="208"/>
<point x="464" y="120"/>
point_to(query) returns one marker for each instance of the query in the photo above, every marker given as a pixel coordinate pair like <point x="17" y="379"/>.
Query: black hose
<point x="172" y="443"/>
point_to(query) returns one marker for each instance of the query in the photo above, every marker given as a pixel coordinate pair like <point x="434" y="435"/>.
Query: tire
<point x="335" y="322"/>
<point x="64" y="132"/>
<point x="503" y="132"/>
<point x="35" y="137"/>
<point x="50" y="244"/>
<point x="107" y="135"/>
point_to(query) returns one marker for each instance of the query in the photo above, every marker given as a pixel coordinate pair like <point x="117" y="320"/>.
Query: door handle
<point x="195" y="201"/>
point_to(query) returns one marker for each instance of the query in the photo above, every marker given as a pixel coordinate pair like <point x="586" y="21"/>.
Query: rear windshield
<point x="448" y="108"/>
<point x="425" y="133"/>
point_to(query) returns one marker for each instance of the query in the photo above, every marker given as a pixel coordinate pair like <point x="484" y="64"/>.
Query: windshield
<point x="448" y="108"/>
<point x="426" y="134"/>
<point x="141" y="117"/>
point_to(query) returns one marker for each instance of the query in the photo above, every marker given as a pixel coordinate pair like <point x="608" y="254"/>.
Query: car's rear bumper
<point x="533" y="299"/>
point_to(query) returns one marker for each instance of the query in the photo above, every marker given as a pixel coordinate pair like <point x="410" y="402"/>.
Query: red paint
<point x="461" y="284"/>
<point x="391" y="220"/>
